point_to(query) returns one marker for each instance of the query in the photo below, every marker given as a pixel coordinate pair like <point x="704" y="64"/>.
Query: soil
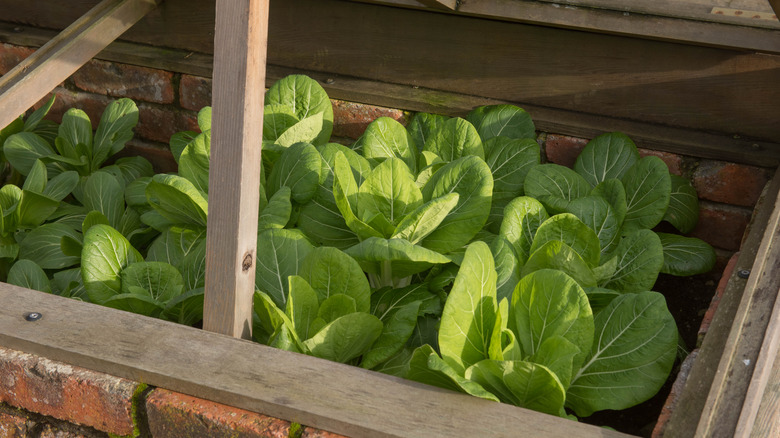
<point x="688" y="298"/>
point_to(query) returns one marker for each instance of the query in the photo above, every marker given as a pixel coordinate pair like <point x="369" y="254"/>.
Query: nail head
<point x="33" y="316"/>
<point x="743" y="273"/>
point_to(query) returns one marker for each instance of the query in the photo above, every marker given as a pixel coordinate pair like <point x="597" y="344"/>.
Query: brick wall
<point x="44" y="398"/>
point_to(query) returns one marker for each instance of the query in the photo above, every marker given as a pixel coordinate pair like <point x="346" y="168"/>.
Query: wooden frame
<point x="324" y="394"/>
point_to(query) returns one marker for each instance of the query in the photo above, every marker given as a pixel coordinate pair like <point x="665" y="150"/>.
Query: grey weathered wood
<point x="29" y="81"/>
<point x="326" y="395"/>
<point x="760" y="391"/>
<point x="441" y="4"/>
<point x="715" y="389"/>
<point x="765" y="38"/>
<point x="234" y="177"/>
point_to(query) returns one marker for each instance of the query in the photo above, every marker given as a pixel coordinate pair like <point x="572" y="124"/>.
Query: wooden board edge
<point x="736" y="35"/>
<point x="701" y="382"/>
<point x="330" y="396"/>
<point x="680" y="140"/>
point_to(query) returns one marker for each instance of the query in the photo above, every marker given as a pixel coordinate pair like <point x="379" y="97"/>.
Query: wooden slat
<point x="701" y="10"/>
<point x="314" y="392"/>
<point x="450" y="5"/>
<point x="761" y="396"/>
<point x="706" y="89"/>
<point x="714" y="392"/>
<point x="648" y="135"/>
<point x="28" y="82"/>
<point x="234" y="177"/>
<point x="705" y="33"/>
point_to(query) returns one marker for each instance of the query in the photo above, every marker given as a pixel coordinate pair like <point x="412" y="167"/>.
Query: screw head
<point x="743" y="273"/>
<point x="33" y="316"/>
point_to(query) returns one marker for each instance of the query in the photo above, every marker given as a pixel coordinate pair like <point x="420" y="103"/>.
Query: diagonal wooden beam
<point x="234" y="178"/>
<point x="450" y="5"/>
<point x="55" y="61"/>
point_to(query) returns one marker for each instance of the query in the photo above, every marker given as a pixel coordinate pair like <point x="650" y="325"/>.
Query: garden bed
<point x="582" y="267"/>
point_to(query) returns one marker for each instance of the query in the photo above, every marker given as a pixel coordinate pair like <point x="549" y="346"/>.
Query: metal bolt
<point x="329" y="81"/>
<point x="33" y="316"/>
<point x="743" y="273"/>
<point x="18" y="30"/>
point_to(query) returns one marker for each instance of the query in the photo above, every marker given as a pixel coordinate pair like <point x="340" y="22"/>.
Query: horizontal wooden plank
<point x="715" y="389"/>
<point x="699" y="10"/>
<point x="326" y="395"/>
<point x="689" y="87"/>
<point x="765" y="38"/>
<point x="648" y="135"/>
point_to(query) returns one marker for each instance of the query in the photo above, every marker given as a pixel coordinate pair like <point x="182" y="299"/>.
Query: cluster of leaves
<point x="443" y="251"/>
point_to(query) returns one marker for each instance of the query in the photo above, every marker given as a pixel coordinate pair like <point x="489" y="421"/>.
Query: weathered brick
<point x="351" y="119"/>
<point x="52" y="431"/>
<point x="124" y="80"/>
<point x="563" y="149"/>
<point x="13" y="425"/>
<point x="673" y="161"/>
<point x="722" y="226"/>
<point x="310" y="432"/>
<point x="710" y="313"/>
<point x="66" y="392"/>
<point x="160" y="123"/>
<point x="11" y="55"/>
<point x="671" y="400"/>
<point x="194" y="92"/>
<point x="92" y="104"/>
<point x="175" y="415"/>
<point x="730" y="183"/>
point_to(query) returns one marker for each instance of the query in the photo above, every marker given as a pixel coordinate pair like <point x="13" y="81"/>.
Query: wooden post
<point x="234" y="177"/>
<point x="29" y="81"/>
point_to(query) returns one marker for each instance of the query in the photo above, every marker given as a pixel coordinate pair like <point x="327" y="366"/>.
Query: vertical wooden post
<point x="234" y="178"/>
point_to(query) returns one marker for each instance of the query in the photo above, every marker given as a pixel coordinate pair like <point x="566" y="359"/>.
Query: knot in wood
<point x="247" y="262"/>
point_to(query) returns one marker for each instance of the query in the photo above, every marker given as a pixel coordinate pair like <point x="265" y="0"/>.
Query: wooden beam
<point x="449" y="5"/>
<point x="326" y="395"/>
<point x="234" y="177"/>
<point x="696" y="143"/>
<point x="757" y="396"/>
<point x="29" y="81"/>
<point x="714" y="394"/>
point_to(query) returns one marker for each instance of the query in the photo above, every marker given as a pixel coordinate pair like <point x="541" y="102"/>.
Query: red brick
<point x="673" y="161"/>
<point x="194" y="92"/>
<point x="710" y="313"/>
<point x="722" y="226"/>
<point x="310" y="432"/>
<point x="671" y="401"/>
<point x="730" y="183"/>
<point x="66" y="392"/>
<point x="351" y="119"/>
<point x="563" y="150"/>
<point x="13" y="425"/>
<point x="175" y="415"/>
<point x="160" y="123"/>
<point x="11" y="55"/>
<point x="92" y="104"/>
<point x="123" y="80"/>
